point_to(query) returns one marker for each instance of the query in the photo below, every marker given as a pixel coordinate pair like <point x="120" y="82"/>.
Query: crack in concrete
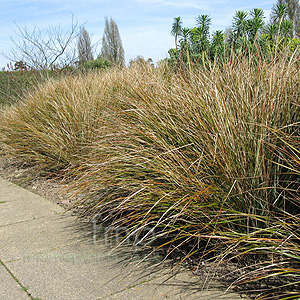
<point x="23" y="221"/>
<point x="47" y="251"/>
<point x="25" y="289"/>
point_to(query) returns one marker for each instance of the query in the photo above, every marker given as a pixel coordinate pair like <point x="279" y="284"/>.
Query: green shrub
<point x="17" y="81"/>
<point x="99" y="63"/>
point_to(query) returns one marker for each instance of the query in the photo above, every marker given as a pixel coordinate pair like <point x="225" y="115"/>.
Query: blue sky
<point x="144" y="25"/>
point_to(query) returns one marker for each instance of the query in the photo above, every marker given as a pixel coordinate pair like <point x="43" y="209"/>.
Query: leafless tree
<point x="45" y="48"/>
<point x="84" y="46"/>
<point x="112" y="48"/>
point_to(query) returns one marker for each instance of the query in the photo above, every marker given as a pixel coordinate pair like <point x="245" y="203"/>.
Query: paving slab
<point x="9" y="288"/>
<point x="94" y="273"/>
<point x="35" y="236"/>
<point x="74" y="272"/>
<point x="169" y="292"/>
<point x="56" y="257"/>
<point x="18" y="205"/>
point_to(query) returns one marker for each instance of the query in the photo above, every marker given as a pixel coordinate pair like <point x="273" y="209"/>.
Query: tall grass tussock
<point x="209" y="160"/>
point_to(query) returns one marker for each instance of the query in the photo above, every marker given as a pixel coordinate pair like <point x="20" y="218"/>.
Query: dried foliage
<point x="208" y="159"/>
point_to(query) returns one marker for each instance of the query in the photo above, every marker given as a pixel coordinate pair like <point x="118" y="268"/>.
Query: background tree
<point x="279" y="13"/>
<point x="184" y="40"/>
<point x="140" y="61"/>
<point x="247" y="34"/>
<point x="270" y="31"/>
<point x="84" y="47"/>
<point x="286" y="29"/>
<point x="217" y="47"/>
<point x="200" y="34"/>
<point x="286" y="15"/>
<point x="297" y="23"/>
<point x="239" y="28"/>
<point x="99" y="63"/>
<point x="255" y="23"/>
<point x="293" y="14"/>
<point x="45" y="48"/>
<point x="176" y="29"/>
<point x="185" y="45"/>
<point x="112" y="48"/>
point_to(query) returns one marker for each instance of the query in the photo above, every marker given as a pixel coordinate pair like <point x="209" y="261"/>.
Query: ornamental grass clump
<point x="55" y="124"/>
<point x="206" y="161"/>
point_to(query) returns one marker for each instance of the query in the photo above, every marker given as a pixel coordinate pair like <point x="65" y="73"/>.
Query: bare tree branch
<point x="45" y="48"/>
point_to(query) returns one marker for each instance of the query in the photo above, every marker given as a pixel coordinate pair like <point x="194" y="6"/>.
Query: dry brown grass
<point x="209" y="158"/>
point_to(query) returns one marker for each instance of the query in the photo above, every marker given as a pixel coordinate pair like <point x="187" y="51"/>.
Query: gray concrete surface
<point x="48" y="254"/>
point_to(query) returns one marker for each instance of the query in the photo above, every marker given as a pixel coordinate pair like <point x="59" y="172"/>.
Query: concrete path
<point x="47" y="254"/>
